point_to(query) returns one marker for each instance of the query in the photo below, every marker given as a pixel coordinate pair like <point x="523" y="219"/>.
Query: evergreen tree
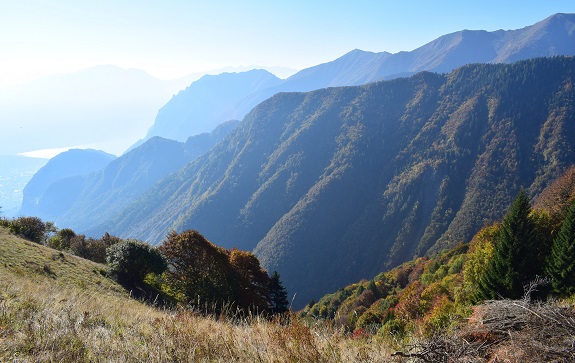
<point x="514" y="261"/>
<point x="278" y="294"/>
<point x="561" y="266"/>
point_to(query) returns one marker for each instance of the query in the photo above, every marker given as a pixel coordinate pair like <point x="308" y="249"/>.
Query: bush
<point x="62" y="239"/>
<point x="132" y="260"/>
<point x="92" y="249"/>
<point x="30" y="228"/>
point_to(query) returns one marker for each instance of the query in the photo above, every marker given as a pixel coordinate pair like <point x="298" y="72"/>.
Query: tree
<point x="198" y="269"/>
<point x="62" y="239"/>
<point x="278" y="295"/>
<point x="91" y="248"/>
<point x="132" y="260"/>
<point x="561" y="265"/>
<point x="556" y="198"/>
<point x="515" y="256"/>
<point x="30" y="228"/>
<point x="251" y="282"/>
<point x="50" y="231"/>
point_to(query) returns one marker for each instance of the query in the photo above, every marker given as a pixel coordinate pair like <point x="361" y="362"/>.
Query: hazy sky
<point x="172" y="38"/>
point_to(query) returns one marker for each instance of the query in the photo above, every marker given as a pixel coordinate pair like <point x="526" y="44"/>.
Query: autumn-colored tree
<point x="197" y="268"/>
<point x="556" y="198"/>
<point x="252" y="281"/>
<point x="561" y="265"/>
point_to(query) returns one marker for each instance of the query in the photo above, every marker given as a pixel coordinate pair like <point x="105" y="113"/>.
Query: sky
<point x="173" y="38"/>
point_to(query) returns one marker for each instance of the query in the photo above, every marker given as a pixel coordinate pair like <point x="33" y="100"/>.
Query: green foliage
<point x="477" y="260"/>
<point x="91" y="248"/>
<point x="561" y="265"/>
<point x="30" y="228"/>
<point x="515" y="258"/>
<point x="132" y="260"/>
<point x="62" y="239"/>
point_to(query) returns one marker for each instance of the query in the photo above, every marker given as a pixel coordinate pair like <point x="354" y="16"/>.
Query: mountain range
<point x="214" y="99"/>
<point x="208" y="102"/>
<point x="39" y="196"/>
<point x="85" y="192"/>
<point x="334" y="185"/>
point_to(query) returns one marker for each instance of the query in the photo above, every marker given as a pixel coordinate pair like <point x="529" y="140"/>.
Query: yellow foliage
<point x="480" y="252"/>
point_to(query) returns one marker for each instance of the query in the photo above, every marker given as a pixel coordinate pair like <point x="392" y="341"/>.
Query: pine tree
<point x="278" y="295"/>
<point x="561" y="266"/>
<point x="514" y="261"/>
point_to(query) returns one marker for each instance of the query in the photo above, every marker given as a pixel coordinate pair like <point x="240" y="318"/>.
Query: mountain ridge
<point x="100" y="194"/>
<point x="71" y="163"/>
<point x="207" y="102"/>
<point x="549" y="37"/>
<point x="404" y="166"/>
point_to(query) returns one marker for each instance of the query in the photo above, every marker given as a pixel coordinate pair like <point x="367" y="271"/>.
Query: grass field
<point x="55" y="307"/>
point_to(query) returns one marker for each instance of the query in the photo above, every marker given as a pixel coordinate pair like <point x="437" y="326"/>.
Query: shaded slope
<point x="335" y="185"/>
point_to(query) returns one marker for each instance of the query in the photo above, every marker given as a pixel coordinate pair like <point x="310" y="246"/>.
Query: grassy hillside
<point x="30" y="261"/>
<point x="58" y="307"/>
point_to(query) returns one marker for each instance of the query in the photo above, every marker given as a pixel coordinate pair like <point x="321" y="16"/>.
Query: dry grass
<point x="511" y="331"/>
<point x="60" y="308"/>
<point x="50" y="313"/>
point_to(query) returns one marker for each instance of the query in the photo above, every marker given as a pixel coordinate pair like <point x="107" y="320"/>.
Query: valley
<point x="418" y="206"/>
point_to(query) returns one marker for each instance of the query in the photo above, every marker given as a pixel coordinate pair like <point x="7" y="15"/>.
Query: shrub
<point x="30" y="228"/>
<point x="132" y="260"/>
<point x="62" y="239"/>
<point x="92" y="249"/>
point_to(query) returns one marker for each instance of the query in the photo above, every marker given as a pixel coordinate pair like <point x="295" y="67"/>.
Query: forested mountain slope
<point x="335" y="185"/>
